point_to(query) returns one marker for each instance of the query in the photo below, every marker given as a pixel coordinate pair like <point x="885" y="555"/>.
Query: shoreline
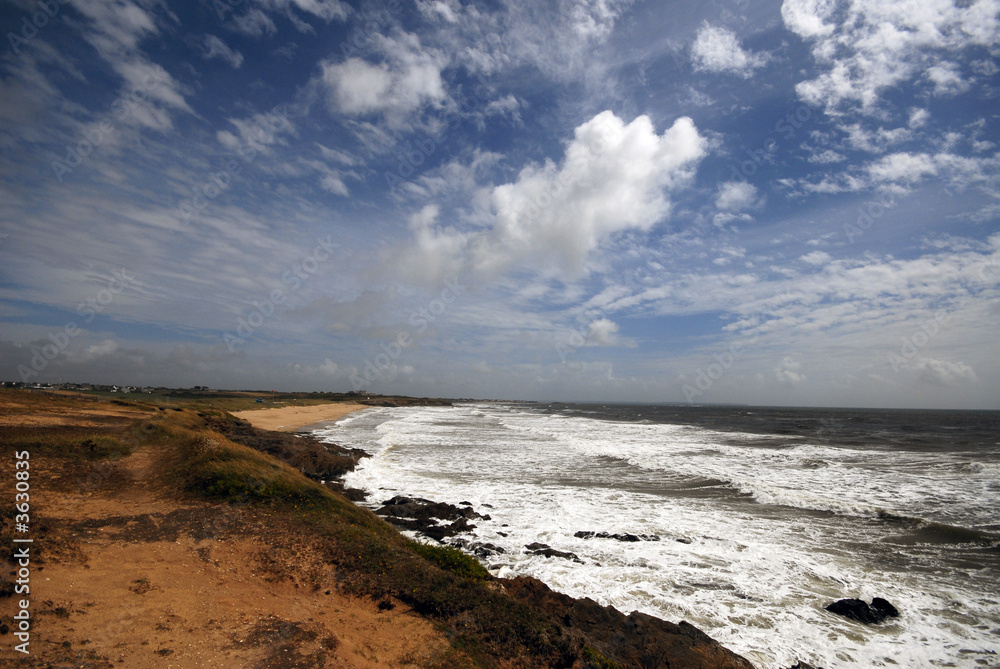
<point x="298" y="418"/>
<point x="136" y="493"/>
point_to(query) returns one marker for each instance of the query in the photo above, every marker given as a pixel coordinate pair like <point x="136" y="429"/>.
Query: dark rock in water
<point x="478" y="549"/>
<point x="547" y="551"/>
<point x="400" y="499"/>
<point x="884" y="608"/>
<point x="804" y="665"/>
<point x="862" y="612"/>
<point x="855" y="609"/>
<point x="354" y="494"/>
<point x="441" y="532"/>
<point x="425" y="516"/>
<point x="628" y="538"/>
<point x="635" y="640"/>
<point x="465" y="503"/>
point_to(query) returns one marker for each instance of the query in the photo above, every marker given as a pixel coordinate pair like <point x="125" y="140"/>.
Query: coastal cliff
<point x="226" y="545"/>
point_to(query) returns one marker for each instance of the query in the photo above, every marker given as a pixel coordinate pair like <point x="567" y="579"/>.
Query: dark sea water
<point x="765" y="515"/>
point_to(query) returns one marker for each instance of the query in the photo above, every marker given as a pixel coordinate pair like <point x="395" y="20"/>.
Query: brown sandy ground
<point x="130" y="576"/>
<point x="288" y="419"/>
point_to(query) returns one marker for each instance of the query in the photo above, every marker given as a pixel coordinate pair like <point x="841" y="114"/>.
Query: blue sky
<point x="788" y="202"/>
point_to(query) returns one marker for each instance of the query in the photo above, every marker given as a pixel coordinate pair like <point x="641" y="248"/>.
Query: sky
<point x="772" y="203"/>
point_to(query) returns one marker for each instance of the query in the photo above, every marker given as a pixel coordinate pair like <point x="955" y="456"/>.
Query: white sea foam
<point x="747" y="553"/>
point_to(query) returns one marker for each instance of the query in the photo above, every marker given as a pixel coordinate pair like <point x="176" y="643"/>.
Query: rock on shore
<point x="437" y="520"/>
<point x="635" y="640"/>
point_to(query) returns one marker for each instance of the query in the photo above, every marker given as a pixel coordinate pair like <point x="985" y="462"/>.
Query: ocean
<point x="764" y="516"/>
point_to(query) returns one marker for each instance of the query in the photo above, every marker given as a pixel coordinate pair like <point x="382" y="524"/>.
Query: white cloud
<point x="736" y="196"/>
<point x="947" y="79"/>
<point x="117" y="26"/>
<point x="116" y="30"/>
<point x="259" y="131"/>
<point x="808" y="18"/>
<point x="336" y="156"/>
<point x="439" y="9"/>
<point x="328" y="10"/>
<point x="602" y="332"/>
<point x="507" y="105"/>
<point x="787" y="372"/>
<point x="875" y="141"/>
<point x="816" y="258"/>
<point x="95" y="351"/>
<point x="902" y="167"/>
<point x="254" y="23"/>
<point x="558" y="38"/>
<point x="594" y="19"/>
<point x="329" y="367"/>
<point x="216" y="48"/>
<point x="718" y="50"/>
<point x="826" y="157"/>
<point x="919" y="117"/>
<point x="613" y="178"/>
<point x="943" y="373"/>
<point x="437" y="250"/>
<point x="869" y="46"/>
<point x="408" y="79"/>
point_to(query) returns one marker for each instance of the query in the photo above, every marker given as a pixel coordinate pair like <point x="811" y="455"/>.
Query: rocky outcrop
<point x="437" y="520"/>
<point x="635" y="640"/>
<point x="547" y="551"/>
<point x="862" y="612"/>
<point x="479" y="549"/>
<point x="628" y="538"/>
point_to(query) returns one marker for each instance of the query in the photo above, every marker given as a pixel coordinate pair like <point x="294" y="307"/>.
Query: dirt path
<point x="161" y="583"/>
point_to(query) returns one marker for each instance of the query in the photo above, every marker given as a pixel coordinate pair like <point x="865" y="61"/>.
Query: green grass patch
<point x="219" y="468"/>
<point x="72" y="443"/>
<point x="451" y="559"/>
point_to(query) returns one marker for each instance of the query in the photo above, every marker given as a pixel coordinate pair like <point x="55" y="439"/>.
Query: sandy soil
<point x="135" y="577"/>
<point x="289" y="419"/>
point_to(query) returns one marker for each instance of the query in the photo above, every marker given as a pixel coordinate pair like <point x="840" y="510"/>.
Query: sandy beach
<point x="289" y="419"/>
